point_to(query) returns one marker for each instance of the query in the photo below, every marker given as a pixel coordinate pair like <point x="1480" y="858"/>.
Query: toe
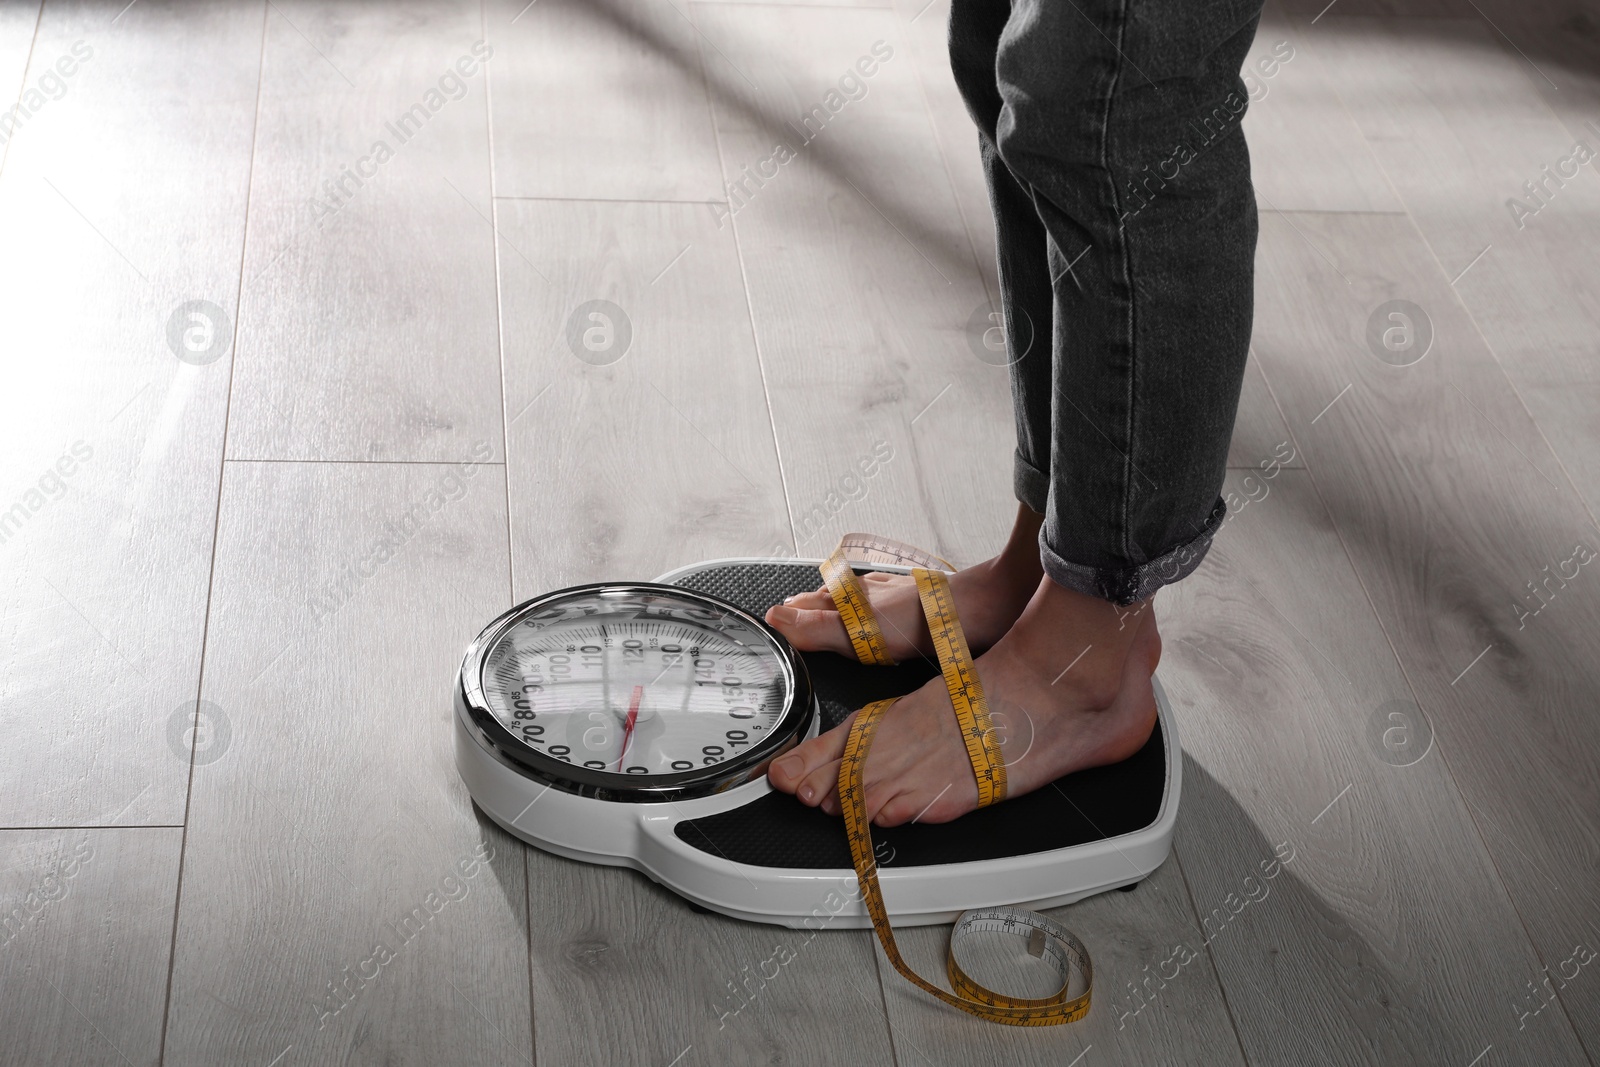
<point x="899" y="810"/>
<point x="792" y="772"/>
<point x="816" y="599"/>
<point x="821" y="788"/>
<point x="811" y="629"/>
<point x="922" y="805"/>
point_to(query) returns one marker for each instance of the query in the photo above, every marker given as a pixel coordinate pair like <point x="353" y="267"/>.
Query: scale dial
<point x="637" y="692"/>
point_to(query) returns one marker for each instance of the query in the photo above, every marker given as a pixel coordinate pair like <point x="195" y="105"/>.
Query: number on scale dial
<point x="636" y="695"/>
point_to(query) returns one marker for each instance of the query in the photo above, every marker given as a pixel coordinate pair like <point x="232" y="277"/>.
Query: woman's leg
<point x="1119" y="120"/>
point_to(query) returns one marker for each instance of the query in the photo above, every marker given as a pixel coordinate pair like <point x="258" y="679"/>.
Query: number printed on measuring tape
<point x="1046" y="939"/>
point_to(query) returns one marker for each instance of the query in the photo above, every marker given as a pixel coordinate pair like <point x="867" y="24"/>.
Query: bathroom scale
<point x="631" y="724"/>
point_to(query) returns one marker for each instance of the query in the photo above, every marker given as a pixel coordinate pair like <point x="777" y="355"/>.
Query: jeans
<point x="1126" y="223"/>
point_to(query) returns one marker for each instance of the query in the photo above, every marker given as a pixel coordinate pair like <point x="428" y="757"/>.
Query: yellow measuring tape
<point x="1045" y="939"/>
<point x="860" y="622"/>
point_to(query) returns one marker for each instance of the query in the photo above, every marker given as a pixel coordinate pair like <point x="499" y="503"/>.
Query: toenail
<point x="783" y="614"/>
<point x="790" y="765"/>
<point x="806" y="793"/>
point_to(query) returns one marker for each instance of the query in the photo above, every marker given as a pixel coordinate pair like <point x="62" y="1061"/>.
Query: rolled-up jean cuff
<point x="1031" y="485"/>
<point x="1129" y="585"/>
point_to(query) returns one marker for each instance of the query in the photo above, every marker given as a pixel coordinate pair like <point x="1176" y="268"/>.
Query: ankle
<point x="1018" y="566"/>
<point x="1072" y="643"/>
<point x="1095" y="696"/>
<point x="1020" y="557"/>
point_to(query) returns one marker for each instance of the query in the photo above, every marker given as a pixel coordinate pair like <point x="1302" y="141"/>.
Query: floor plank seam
<point x="100" y="826"/>
<point x="1501" y="885"/>
<point x="384" y="462"/>
<point x="749" y="307"/>
<point x="1505" y="376"/>
<point x="1477" y="825"/>
<point x="608" y="200"/>
<point x="1216" y="969"/>
<point x="1395" y="191"/>
<point x="1331" y="211"/>
<point x="216" y="527"/>
<point x="505" y="470"/>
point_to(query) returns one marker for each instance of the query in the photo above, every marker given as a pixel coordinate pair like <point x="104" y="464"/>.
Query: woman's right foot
<point x="989" y="597"/>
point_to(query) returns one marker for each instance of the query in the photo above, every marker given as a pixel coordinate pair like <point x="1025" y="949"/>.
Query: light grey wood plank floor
<point x="123" y="200"/>
<point x="923" y="25"/>
<point x="85" y="932"/>
<point x="777" y="331"/>
<point x="618" y="85"/>
<point x="860" y="271"/>
<point x="367" y="318"/>
<point x="341" y="900"/>
<point x="1444" y="535"/>
<point x="1461" y="132"/>
<point x="1306" y="153"/>
<point x="648" y="423"/>
<point x="1357" y="952"/>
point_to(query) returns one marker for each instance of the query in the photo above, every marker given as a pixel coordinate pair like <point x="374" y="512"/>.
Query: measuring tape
<point x="860" y="621"/>
<point x="1045" y="938"/>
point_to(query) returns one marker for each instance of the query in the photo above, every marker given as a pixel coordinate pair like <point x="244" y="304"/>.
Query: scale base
<point x="753" y="853"/>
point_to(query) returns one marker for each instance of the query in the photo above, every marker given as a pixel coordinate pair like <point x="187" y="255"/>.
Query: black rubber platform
<point x="779" y="831"/>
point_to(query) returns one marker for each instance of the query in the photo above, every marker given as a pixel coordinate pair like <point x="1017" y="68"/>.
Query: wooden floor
<point x="241" y="345"/>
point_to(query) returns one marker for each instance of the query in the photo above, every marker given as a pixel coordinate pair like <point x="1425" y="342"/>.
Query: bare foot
<point x="1069" y="687"/>
<point x="989" y="597"/>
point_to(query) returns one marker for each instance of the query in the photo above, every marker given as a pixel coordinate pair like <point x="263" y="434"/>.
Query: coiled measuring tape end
<point x="1050" y="939"/>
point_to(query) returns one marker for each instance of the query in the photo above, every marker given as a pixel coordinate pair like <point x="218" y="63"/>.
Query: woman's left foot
<point x="1069" y="687"/>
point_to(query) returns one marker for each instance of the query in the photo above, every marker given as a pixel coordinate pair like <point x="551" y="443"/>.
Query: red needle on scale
<point x="633" y="718"/>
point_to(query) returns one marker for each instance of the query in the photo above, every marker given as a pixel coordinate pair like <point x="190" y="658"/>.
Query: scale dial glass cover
<point x="636" y="692"/>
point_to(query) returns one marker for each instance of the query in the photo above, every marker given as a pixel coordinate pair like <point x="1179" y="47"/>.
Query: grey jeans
<point x="1126" y="222"/>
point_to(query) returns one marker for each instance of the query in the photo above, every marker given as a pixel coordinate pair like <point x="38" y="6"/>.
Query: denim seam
<point x="1127" y="277"/>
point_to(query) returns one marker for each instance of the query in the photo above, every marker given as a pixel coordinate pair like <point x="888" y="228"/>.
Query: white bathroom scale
<point x="631" y="724"/>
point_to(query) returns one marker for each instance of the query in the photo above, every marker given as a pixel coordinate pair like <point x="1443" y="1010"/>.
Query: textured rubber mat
<point x="779" y="831"/>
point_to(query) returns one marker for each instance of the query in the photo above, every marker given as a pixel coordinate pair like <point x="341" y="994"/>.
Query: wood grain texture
<point x="85" y="932"/>
<point x="1460" y="129"/>
<point x="1445" y="527"/>
<point x="615" y="87"/>
<point x="653" y="448"/>
<point x="123" y="199"/>
<point x="367" y="325"/>
<point x="342" y="900"/>
<point x="862" y="286"/>
<point x="1260" y="438"/>
<point x="1389" y="936"/>
<point x="622" y="470"/>
<point x="1306" y="153"/>
<point x="619" y="940"/>
<point x="1134" y="1017"/>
